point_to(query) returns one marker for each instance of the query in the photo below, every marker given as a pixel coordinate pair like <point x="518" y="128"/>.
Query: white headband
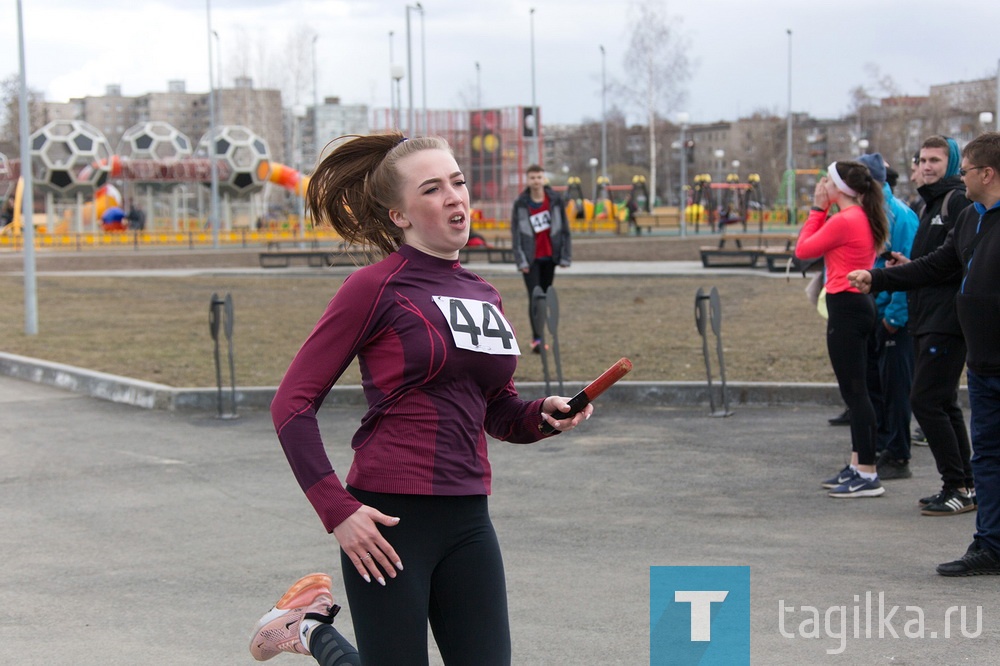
<point x="838" y="181"/>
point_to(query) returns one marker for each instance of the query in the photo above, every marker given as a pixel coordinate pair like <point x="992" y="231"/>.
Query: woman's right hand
<point x="820" y="197"/>
<point x="361" y="540"/>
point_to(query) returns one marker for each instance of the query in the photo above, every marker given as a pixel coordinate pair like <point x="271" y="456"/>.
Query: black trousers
<point x="452" y="577"/>
<point x="541" y="274"/>
<point x="934" y="398"/>
<point x="851" y="344"/>
<point x="892" y="397"/>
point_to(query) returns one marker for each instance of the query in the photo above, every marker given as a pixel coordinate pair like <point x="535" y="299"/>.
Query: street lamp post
<point x="411" y="124"/>
<point x="393" y="117"/>
<point x="315" y="123"/>
<point x="213" y="161"/>
<point x="789" y="158"/>
<point x="218" y="58"/>
<point x="593" y="175"/>
<point x="682" y="119"/>
<point x="409" y="72"/>
<point x="423" y="68"/>
<point x="27" y="201"/>
<point x="720" y="154"/>
<point x="398" y="72"/>
<point x="478" y="173"/>
<point x="604" y="119"/>
<point x="534" y="108"/>
<point x="299" y="112"/>
<point x="985" y="118"/>
<point x="863" y="146"/>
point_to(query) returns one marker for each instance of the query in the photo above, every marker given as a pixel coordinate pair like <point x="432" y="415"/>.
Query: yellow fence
<point x="193" y="238"/>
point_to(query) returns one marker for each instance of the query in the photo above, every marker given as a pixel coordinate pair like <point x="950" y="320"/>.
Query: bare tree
<point x="657" y="59"/>
<point x="10" y="114"/>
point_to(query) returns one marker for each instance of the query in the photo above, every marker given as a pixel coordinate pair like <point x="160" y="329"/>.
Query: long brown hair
<point x="857" y="177"/>
<point x="354" y="187"/>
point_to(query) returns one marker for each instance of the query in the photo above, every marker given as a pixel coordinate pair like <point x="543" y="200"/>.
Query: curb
<point x="149" y="395"/>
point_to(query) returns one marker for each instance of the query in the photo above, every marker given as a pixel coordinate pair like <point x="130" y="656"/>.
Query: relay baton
<point x="590" y="393"/>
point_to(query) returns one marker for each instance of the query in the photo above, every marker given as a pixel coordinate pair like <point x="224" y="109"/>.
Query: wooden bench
<point x="494" y="255"/>
<point x="497" y="250"/>
<point x="741" y="250"/>
<point x="661" y="218"/>
<point x="777" y="262"/>
<point x="316" y="257"/>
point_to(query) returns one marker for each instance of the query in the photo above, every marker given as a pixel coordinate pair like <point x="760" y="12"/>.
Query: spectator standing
<point x="939" y="345"/>
<point x="136" y="218"/>
<point x="972" y="249"/>
<point x="849" y="240"/>
<point x="7" y="212"/>
<point x="891" y="396"/>
<point x="540" y="238"/>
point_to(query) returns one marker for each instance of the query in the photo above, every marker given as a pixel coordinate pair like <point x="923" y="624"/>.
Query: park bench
<point x="662" y="218"/>
<point x="497" y="250"/>
<point x="314" y="256"/>
<point x="745" y="250"/>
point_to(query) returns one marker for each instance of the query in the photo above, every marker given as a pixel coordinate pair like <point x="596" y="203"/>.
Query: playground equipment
<point x="283" y="175"/>
<point x="71" y="161"/>
<point x="640" y="194"/>
<point x="789" y="179"/>
<point x="721" y="204"/>
<point x="577" y="207"/>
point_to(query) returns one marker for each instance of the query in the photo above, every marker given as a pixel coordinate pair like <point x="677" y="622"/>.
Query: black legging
<point x="540" y="274"/>
<point x="850" y="341"/>
<point x="453" y="577"/>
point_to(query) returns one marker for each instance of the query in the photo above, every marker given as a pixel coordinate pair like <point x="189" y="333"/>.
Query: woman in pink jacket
<point x="849" y="240"/>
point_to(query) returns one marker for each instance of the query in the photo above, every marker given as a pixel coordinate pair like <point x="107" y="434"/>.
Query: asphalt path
<point x="136" y="536"/>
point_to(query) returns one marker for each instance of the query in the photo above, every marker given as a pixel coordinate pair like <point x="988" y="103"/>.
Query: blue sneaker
<point x="842" y="477"/>
<point x="859" y="486"/>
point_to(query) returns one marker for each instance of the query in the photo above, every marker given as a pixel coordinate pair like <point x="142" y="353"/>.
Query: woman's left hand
<point x="555" y="405"/>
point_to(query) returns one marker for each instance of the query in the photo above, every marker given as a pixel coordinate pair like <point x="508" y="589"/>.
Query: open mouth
<point x="457" y="219"/>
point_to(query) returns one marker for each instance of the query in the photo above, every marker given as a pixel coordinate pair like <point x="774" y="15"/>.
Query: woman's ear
<point x="399" y="218"/>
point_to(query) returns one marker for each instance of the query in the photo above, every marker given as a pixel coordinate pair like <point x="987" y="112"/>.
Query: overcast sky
<point x="739" y="49"/>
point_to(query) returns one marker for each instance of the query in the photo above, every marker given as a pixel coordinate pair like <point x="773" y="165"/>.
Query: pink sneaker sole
<point x="278" y="630"/>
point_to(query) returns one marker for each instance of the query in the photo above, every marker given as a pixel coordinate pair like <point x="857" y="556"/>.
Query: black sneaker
<point x="936" y="497"/>
<point x="843" y="419"/>
<point x="977" y="561"/>
<point x="893" y="469"/>
<point x="951" y="502"/>
<point x="932" y="499"/>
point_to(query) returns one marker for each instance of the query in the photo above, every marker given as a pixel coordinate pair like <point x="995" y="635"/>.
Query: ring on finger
<point x="367" y="556"/>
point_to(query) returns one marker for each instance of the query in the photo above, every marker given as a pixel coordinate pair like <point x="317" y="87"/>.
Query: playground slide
<point x="283" y="175"/>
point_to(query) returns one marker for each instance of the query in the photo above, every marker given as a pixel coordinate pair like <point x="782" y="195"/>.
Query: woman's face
<point x="434" y="208"/>
<point x="832" y="193"/>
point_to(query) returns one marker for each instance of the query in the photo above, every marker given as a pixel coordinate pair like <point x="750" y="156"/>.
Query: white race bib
<point x="541" y="221"/>
<point x="478" y="326"/>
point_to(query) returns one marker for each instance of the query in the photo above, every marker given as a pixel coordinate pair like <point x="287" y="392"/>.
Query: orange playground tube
<point x="283" y="175"/>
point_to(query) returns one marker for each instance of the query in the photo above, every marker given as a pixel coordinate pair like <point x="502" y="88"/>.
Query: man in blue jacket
<point x="895" y="348"/>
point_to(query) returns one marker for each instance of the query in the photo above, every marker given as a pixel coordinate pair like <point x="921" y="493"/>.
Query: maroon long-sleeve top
<point x="430" y="401"/>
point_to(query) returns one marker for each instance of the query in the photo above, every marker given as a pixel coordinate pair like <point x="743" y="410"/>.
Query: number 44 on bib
<point x="478" y="326"/>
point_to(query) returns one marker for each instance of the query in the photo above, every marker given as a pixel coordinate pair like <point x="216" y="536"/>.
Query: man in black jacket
<point x="971" y="249"/>
<point x="939" y="348"/>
